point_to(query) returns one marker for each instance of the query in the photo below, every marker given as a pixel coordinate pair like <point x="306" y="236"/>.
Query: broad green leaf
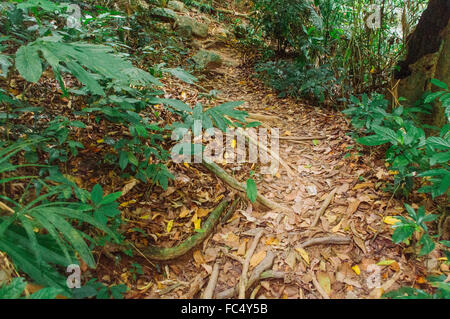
<point x="439" y="83"/>
<point x="28" y="63"/>
<point x="251" y="190"/>
<point x="427" y="245"/>
<point x="96" y="194"/>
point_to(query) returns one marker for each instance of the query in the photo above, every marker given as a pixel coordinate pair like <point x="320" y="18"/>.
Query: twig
<point x="237" y="258"/>
<point x="324" y="207"/>
<point x="254" y="292"/>
<point x="337" y="240"/>
<point x="243" y="281"/>
<point x="263" y="117"/>
<point x="302" y="138"/>
<point x="209" y="290"/>
<point x="196" y="285"/>
<point x="242" y="15"/>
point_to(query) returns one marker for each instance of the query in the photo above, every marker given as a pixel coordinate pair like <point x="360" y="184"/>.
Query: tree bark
<point x="428" y="57"/>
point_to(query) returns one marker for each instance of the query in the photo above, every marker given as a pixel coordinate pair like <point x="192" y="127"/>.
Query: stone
<point x="164" y="14"/>
<point x="185" y="31"/>
<point x="198" y="29"/>
<point x="176" y="5"/>
<point x="207" y="60"/>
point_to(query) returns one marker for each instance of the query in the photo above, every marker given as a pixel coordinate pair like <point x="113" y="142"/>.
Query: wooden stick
<point x="263" y="117"/>
<point x="243" y="281"/>
<point x="302" y="138"/>
<point x="324" y="207"/>
<point x="209" y="290"/>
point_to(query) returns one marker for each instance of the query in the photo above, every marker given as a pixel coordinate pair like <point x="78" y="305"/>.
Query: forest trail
<point x="328" y="178"/>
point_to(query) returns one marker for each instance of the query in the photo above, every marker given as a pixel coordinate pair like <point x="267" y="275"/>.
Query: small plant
<point x="15" y="290"/>
<point x="404" y="230"/>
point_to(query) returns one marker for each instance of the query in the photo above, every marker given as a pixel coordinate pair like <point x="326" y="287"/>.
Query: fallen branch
<point x="162" y="254"/>
<point x="237" y="14"/>
<point x="263" y="117"/>
<point x="302" y="138"/>
<point x="324" y="206"/>
<point x="209" y="290"/>
<point x="214" y="168"/>
<point x="337" y="240"/>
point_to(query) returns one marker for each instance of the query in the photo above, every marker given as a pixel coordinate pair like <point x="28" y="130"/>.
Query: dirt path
<point x="324" y="170"/>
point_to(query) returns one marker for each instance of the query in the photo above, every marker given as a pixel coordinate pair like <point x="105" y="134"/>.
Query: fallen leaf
<point x="198" y="257"/>
<point x="169" y="226"/>
<point x="390" y="220"/>
<point x="257" y="258"/>
<point x="363" y="185"/>
<point x="356" y="269"/>
<point x="303" y="254"/>
<point x="324" y="281"/>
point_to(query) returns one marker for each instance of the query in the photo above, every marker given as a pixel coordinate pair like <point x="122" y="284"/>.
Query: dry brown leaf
<point x="257" y="258"/>
<point x="198" y="257"/>
<point x="129" y="186"/>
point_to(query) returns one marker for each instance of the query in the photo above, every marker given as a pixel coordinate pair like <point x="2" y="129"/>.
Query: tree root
<point x="164" y="254"/>
<point x="214" y="168"/>
<point x="258" y="273"/>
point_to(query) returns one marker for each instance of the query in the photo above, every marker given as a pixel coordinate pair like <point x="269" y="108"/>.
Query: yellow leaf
<point x="324" y="281"/>
<point x="145" y="217"/>
<point x="125" y="204"/>
<point x="202" y="212"/>
<point x="257" y="258"/>
<point x="197" y="224"/>
<point x="390" y="220"/>
<point x="186" y="164"/>
<point x="363" y="185"/>
<point x="356" y="269"/>
<point x="184" y="212"/>
<point x="386" y="262"/>
<point x="100" y="141"/>
<point x="303" y="253"/>
<point x="233" y="143"/>
<point x="198" y="257"/>
<point x="169" y="226"/>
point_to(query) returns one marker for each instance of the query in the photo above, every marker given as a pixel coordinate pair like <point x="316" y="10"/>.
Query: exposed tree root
<point x="162" y="254"/>
<point x="258" y="273"/>
<point x="209" y="290"/>
<point x="214" y="168"/>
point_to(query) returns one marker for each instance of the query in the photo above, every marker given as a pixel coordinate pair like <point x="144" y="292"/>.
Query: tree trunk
<point x="428" y="57"/>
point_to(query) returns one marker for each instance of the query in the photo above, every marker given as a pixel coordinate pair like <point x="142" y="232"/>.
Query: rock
<point x="176" y="5"/>
<point x="198" y="29"/>
<point x="207" y="60"/>
<point x="185" y="31"/>
<point x="164" y="14"/>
